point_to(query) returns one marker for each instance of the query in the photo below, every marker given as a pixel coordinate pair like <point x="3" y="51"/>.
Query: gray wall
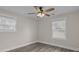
<point x="26" y="32"/>
<point x="72" y="31"/>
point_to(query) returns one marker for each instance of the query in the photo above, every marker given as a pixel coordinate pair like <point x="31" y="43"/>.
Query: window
<point x="59" y="27"/>
<point x="7" y="24"/>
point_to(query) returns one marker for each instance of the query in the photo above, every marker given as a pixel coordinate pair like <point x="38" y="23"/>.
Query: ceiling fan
<point x="41" y="12"/>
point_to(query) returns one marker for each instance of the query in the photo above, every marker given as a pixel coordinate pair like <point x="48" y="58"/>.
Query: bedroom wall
<point x="30" y="30"/>
<point x="26" y="32"/>
<point x="72" y="31"/>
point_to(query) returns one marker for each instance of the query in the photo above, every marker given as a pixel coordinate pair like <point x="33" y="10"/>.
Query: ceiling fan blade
<point x="36" y="8"/>
<point x="48" y="10"/>
<point x="47" y="14"/>
<point x="31" y="13"/>
<point x="53" y="14"/>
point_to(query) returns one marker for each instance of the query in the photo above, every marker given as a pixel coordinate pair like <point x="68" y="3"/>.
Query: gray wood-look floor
<point x="40" y="47"/>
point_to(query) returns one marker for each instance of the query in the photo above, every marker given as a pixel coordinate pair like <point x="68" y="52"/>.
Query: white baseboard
<point x="5" y="50"/>
<point x="75" y="49"/>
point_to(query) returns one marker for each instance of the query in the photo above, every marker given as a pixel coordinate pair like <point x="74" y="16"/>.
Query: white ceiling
<point x="23" y="10"/>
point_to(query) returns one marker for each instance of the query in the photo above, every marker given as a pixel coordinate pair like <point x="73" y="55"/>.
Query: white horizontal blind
<point x="7" y="24"/>
<point x="59" y="29"/>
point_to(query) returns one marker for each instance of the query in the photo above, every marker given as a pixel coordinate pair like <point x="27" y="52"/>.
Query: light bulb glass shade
<point x="41" y="15"/>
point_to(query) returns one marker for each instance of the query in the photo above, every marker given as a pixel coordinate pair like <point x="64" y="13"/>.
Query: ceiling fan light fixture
<point x="40" y="15"/>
